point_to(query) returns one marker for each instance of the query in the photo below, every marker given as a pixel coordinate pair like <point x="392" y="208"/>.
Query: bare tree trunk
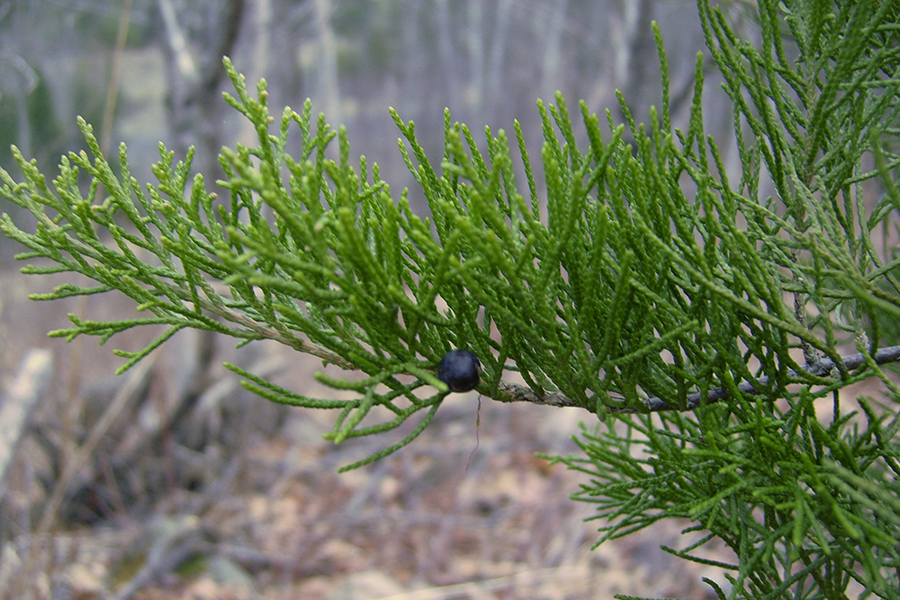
<point x="328" y="71"/>
<point x="499" y="41"/>
<point x="552" y="23"/>
<point x="475" y="45"/>
<point x="448" y="60"/>
<point x="194" y="106"/>
<point x="193" y="102"/>
<point x="412" y="78"/>
<point x="636" y="59"/>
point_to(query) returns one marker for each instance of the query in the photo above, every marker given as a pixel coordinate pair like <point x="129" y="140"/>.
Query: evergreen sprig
<point x="637" y="278"/>
<point x="807" y="506"/>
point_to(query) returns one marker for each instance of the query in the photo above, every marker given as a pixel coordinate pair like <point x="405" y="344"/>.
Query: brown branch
<point x="512" y="392"/>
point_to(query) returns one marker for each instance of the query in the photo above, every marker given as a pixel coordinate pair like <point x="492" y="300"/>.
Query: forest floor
<point x="248" y="503"/>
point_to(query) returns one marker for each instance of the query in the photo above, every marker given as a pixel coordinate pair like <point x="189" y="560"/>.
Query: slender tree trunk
<point x="448" y="58"/>
<point x="499" y="41"/>
<point x="636" y="59"/>
<point x="193" y="105"/>
<point x="475" y="45"/>
<point x="328" y="70"/>
<point x="552" y="23"/>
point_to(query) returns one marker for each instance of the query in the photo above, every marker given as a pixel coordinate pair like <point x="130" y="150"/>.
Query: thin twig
<point x="511" y="392"/>
<point x="115" y="75"/>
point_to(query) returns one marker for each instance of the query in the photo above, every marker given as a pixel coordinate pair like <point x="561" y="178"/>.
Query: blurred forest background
<point x="160" y="78"/>
<point x="110" y="467"/>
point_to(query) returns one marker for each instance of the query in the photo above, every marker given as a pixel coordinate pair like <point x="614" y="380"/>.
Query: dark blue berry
<point x="460" y="370"/>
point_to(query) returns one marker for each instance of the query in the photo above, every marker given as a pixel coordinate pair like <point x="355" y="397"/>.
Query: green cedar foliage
<point x="809" y="507"/>
<point x="609" y="286"/>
